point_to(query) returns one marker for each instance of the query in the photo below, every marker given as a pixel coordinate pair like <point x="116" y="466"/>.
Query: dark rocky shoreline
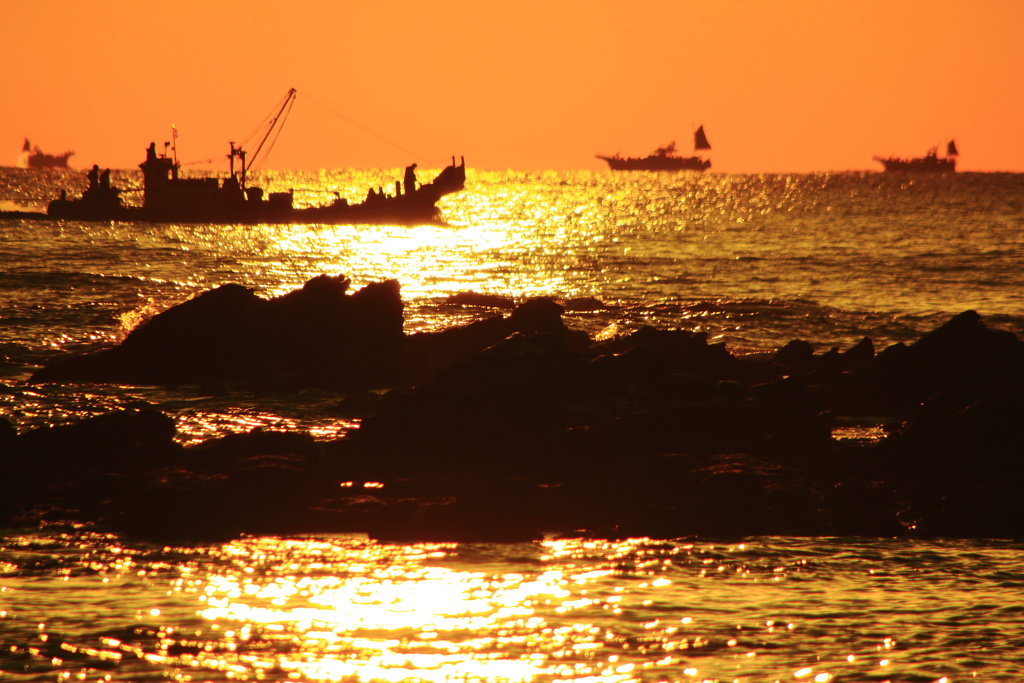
<point x="516" y="426"/>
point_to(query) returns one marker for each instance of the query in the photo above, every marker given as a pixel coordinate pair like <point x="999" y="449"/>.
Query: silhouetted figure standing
<point x="100" y="197"/>
<point x="410" y="179"/>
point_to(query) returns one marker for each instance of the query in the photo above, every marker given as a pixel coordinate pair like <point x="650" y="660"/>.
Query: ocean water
<point x="88" y="607"/>
<point x="754" y="261"/>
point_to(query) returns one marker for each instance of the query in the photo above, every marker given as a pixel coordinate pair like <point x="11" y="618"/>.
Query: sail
<point x="951" y="149"/>
<point x="700" y="141"/>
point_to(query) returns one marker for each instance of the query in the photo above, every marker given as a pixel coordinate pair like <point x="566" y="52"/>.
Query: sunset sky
<point x="780" y="86"/>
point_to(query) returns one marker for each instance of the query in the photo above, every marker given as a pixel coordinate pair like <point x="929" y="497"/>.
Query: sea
<point x="753" y="261"/>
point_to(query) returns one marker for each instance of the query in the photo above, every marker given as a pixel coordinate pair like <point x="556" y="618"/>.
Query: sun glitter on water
<point x="351" y="610"/>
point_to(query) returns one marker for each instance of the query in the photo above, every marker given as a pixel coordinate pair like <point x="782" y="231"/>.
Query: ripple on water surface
<point x="345" y="608"/>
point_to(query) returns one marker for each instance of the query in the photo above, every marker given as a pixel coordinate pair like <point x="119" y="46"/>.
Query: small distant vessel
<point x="664" y="158"/>
<point x="36" y="158"/>
<point x="167" y="197"/>
<point x="929" y="163"/>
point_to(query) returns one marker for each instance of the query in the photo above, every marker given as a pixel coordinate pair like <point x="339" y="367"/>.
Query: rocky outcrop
<point x="516" y="426"/>
<point x="318" y="335"/>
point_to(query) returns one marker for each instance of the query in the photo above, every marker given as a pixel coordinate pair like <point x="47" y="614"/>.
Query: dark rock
<point x="858" y="356"/>
<point x="71" y="466"/>
<point x="428" y="353"/>
<point x="538" y="315"/>
<point x="962" y="355"/>
<point x="315" y="336"/>
<point x="517" y="426"/>
<point x="684" y="352"/>
<point x="795" y="354"/>
<point x="257" y="483"/>
<point x="584" y="304"/>
<point x="482" y="300"/>
<point x="7" y="433"/>
<point x="222" y="455"/>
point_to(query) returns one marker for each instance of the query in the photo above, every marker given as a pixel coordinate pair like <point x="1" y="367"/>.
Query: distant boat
<point x="36" y="158"/>
<point x="929" y="163"/>
<point x="170" y="198"/>
<point x="664" y="158"/>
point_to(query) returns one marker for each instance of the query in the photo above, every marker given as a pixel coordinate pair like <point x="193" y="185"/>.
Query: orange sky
<point x="780" y="85"/>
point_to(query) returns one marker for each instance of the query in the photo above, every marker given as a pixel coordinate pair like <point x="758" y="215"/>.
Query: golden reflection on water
<point x="530" y="234"/>
<point x="588" y="611"/>
<point x="591" y="611"/>
<point x="353" y="610"/>
<point x="196" y="426"/>
<point x="646" y="244"/>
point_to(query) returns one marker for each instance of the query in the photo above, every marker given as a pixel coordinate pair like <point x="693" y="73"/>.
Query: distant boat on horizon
<point x="929" y="163"/>
<point x="664" y="158"/>
<point x="33" y="157"/>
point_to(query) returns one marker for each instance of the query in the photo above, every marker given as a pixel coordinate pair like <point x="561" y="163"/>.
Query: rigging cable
<point x="267" y="123"/>
<point x="284" y="108"/>
<point x="279" y="119"/>
<point x="371" y="132"/>
<point x="263" y="124"/>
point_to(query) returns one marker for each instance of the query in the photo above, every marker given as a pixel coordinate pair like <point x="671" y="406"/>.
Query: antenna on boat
<point x="174" y="143"/>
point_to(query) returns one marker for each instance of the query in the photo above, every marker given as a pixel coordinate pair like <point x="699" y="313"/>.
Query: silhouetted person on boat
<point x="151" y="152"/>
<point x="410" y="179"/>
<point x="99" y="197"/>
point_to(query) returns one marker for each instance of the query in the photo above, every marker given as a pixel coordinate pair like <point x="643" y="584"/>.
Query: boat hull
<point x="389" y="210"/>
<point x="657" y="163"/>
<point x="922" y="165"/>
<point x="929" y="163"/>
<point x="207" y="201"/>
<point x="43" y="161"/>
<point x="35" y="158"/>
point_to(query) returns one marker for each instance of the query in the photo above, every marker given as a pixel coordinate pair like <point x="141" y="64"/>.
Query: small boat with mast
<point x="169" y="197"/>
<point x="929" y="163"/>
<point x="664" y="158"/>
<point x="35" y="158"/>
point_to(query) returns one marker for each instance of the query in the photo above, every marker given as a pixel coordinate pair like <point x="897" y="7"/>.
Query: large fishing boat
<point x="664" y="158"/>
<point x="168" y="197"/>
<point x="929" y="163"/>
<point x="33" y="157"/>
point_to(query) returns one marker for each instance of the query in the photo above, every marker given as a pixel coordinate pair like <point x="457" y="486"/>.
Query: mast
<point x="240" y="153"/>
<point x="287" y="101"/>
